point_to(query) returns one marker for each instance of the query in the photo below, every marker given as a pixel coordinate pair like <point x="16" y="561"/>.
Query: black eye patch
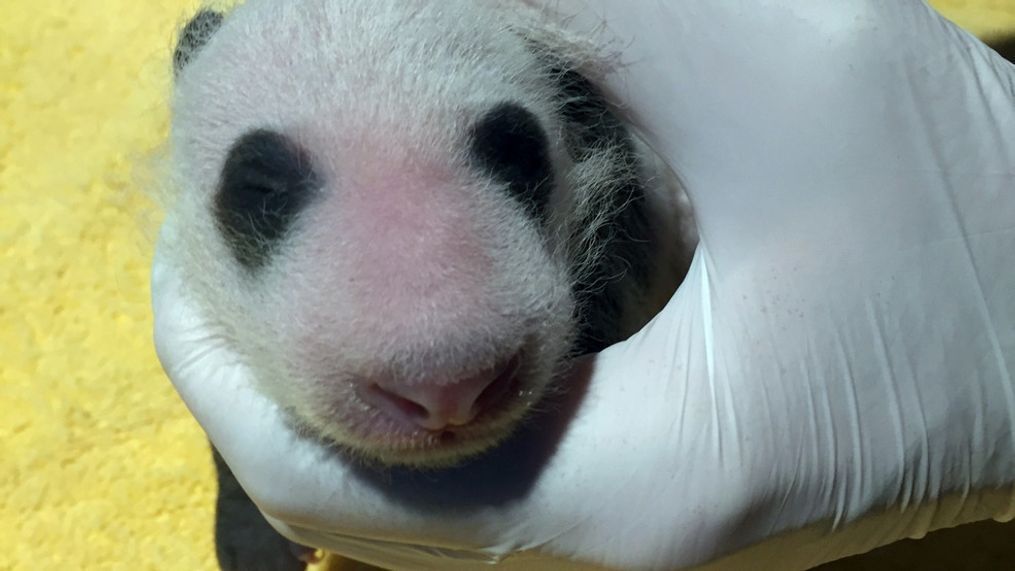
<point x="509" y="144"/>
<point x="267" y="180"/>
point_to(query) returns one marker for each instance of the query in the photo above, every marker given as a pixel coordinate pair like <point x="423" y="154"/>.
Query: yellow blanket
<point x="102" y="467"/>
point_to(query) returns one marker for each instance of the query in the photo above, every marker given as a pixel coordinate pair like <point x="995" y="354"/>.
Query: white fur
<point x="383" y="92"/>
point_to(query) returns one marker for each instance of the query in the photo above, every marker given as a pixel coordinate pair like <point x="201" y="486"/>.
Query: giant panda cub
<point x="406" y="217"/>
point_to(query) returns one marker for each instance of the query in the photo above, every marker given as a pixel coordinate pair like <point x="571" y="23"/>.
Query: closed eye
<point x="267" y="180"/>
<point x="509" y="144"/>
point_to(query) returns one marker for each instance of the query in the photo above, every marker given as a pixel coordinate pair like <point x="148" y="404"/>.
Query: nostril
<point x="395" y="405"/>
<point x="503" y="384"/>
<point x="438" y="406"/>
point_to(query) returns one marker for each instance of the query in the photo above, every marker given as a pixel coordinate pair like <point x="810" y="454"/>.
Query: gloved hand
<point x="838" y="364"/>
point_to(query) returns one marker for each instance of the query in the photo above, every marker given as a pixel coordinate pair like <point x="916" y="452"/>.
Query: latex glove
<point x="842" y="348"/>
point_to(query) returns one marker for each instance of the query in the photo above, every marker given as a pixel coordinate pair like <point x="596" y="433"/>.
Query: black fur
<point x="626" y="238"/>
<point x="194" y="36"/>
<point x="509" y="144"/>
<point x="266" y="182"/>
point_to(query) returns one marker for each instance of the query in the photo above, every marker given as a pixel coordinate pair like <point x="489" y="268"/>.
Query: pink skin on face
<point x="408" y="220"/>
<point x="405" y="324"/>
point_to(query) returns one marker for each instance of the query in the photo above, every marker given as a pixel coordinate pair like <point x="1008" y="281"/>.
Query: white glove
<point x="839" y="362"/>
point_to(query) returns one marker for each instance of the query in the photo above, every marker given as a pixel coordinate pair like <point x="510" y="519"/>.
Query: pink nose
<point x="438" y="406"/>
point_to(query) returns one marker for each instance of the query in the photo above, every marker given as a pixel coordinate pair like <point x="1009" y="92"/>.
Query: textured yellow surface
<point x="985" y="18"/>
<point x="101" y="466"/>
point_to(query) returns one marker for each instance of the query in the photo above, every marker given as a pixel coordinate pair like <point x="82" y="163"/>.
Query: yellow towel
<point x="102" y="467"/>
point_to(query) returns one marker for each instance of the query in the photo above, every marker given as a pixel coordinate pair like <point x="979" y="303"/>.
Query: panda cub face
<point x="386" y="209"/>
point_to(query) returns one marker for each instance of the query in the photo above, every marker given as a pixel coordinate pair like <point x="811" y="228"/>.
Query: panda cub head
<point x="404" y="216"/>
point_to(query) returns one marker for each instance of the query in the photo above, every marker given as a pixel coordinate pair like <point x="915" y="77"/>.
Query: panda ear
<point x="194" y="36"/>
